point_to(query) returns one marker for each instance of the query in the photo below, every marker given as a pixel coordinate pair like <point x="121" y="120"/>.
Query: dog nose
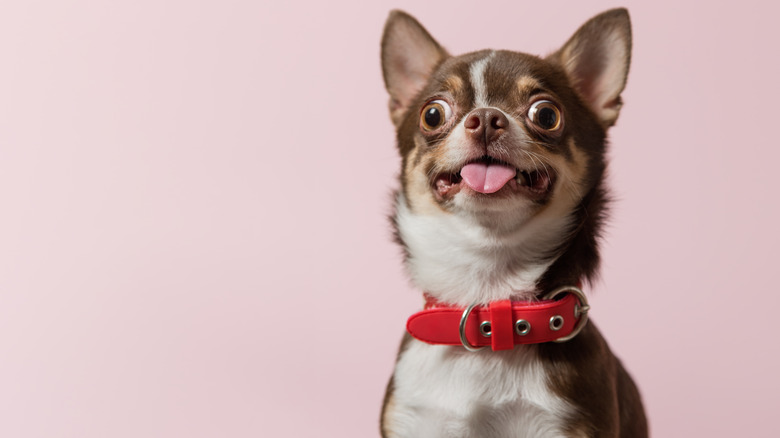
<point x="485" y="125"/>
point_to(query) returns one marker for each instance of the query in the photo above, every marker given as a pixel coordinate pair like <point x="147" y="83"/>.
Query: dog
<point x="501" y="201"/>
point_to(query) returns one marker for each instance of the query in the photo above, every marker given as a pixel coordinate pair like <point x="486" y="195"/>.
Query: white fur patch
<point x="443" y="391"/>
<point x="477" y="74"/>
<point x="458" y="261"/>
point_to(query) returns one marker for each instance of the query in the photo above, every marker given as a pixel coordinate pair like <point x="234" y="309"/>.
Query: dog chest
<point x="446" y="391"/>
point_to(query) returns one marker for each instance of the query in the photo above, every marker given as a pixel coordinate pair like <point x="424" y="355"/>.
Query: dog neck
<point x="457" y="260"/>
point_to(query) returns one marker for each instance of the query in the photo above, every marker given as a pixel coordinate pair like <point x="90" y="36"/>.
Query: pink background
<point x="193" y="240"/>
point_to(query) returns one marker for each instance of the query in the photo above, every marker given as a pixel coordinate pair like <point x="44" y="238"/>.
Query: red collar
<point x="502" y="324"/>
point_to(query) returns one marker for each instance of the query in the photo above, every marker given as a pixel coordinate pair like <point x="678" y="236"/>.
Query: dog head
<point x="510" y="143"/>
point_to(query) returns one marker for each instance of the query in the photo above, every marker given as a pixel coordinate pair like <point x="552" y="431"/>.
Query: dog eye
<point x="435" y="114"/>
<point x="545" y="115"/>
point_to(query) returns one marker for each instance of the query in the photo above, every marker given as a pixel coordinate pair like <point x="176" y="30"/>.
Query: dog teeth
<point x="523" y="178"/>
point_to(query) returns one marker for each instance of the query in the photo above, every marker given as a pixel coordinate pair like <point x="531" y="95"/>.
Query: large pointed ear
<point x="596" y="60"/>
<point x="409" y="56"/>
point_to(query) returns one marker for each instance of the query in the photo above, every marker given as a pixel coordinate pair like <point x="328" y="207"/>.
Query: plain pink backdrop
<point x="193" y="195"/>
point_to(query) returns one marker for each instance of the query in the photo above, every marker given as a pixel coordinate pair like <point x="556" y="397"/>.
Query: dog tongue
<point x="487" y="178"/>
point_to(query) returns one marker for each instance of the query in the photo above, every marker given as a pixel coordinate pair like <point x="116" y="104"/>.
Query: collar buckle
<point x="462" y="329"/>
<point x="558" y="317"/>
<point x="580" y="310"/>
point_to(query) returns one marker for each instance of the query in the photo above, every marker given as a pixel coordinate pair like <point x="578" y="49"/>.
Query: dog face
<point x="503" y="138"/>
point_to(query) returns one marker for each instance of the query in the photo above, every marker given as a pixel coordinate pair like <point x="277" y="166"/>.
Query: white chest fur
<point x="459" y="262"/>
<point x="443" y="391"/>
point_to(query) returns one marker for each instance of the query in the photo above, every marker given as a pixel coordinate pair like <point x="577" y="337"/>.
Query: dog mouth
<point x="488" y="176"/>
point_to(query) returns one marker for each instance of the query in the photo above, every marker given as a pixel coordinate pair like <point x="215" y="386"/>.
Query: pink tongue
<point x="487" y="178"/>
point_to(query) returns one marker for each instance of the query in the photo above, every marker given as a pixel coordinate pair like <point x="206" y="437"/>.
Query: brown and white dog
<point x="502" y="198"/>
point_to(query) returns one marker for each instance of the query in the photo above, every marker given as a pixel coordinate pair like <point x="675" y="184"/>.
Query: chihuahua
<point x="501" y="202"/>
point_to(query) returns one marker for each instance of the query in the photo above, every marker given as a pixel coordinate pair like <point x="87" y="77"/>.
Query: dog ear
<point x="596" y="59"/>
<point x="409" y="56"/>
